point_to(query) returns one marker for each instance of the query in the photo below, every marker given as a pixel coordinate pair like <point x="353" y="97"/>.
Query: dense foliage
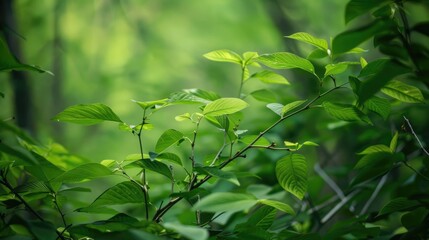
<point x="215" y="175"/>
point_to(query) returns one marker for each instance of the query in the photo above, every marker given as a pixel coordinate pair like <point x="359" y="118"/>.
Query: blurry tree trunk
<point x="20" y="83"/>
<point x="57" y="68"/>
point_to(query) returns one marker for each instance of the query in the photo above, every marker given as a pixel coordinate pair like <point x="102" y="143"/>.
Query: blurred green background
<point x="115" y="51"/>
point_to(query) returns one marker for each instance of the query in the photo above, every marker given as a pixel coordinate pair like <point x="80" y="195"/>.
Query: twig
<point x="415" y="136"/>
<point x="338" y="206"/>
<point x="144" y="187"/>
<point x="374" y="194"/>
<point x="329" y="181"/>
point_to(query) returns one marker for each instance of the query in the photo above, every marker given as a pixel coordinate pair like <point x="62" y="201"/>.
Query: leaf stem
<point x="374" y="194"/>
<point x="144" y="186"/>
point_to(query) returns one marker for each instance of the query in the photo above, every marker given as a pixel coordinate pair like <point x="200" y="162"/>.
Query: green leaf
<point x="119" y="222"/>
<point x="9" y="62"/>
<point x="121" y="193"/>
<point x="157" y="167"/>
<point x="190" y="232"/>
<point x="278" y="205"/>
<point x="290" y="106"/>
<point x="291" y="172"/>
<point x="373" y="67"/>
<point x="348" y="40"/>
<point x="373" y="165"/>
<point x="168" y="139"/>
<point x="400" y="204"/>
<point x="262" y="218"/>
<point x="375" y="149"/>
<point x="285" y="60"/>
<point x="250" y="138"/>
<point x="317" y="54"/>
<point x="224" y="56"/>
<point x="307" y="38"/>
<point x="337" y="68"/>
<point x="276" y="108"/>
<point x="378" y="105"/>
<point x="84" y="172"/>
<point x="224" y="106"/>
<point x="345" y="112"/>
<point x="151" y="104"/>
<point x="394" y="142"/>
<point x="264" y="95"/>
<point x="87" y="114"/>
<point x="225" y="201"/>
<point x="216" y="172"/>
<point x="192" y="96"/>
<point x="170" y="157"/>
<point x="355" y="8"/>
<point x="267" y="76"/>
<point x="403" y="92"/>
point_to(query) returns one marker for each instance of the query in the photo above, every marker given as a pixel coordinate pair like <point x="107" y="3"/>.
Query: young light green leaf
<point x="350" y="39"/>
<point x="290" y="106"/>
<point x="224" y="106"/>
<point x="345" y="112"/>
<point x="285" y="60"/>
<point x="216" y="172"/>
<point x="121" y="193"/>
<point x="278" y="205"/>
<point x="188" y="231"/>
<point x="378" y="105"/>
<point x="276" y="108"/>
<point x="87" y="114"/>
<point x="307" y="38"/>
<point x="157" y="167"/>
<point x="317" y="54"/>
<point x="309" y="143"/>
<point x="375" y="149"/>
<point x="363" y="62"/>
<point x="225" y="201"/>
<point x="151" y="104"/>
<point x="337" y="68"/>
<point x="168" y="139"/>
<point x="264" y="95"/>
<point x="394" y="142"/>
<point x="291" y="172"/>
<point x="83" y="172"/>
<point x="403" y="92"/>
<point x="270" y="77"/>
<point x="224" y="56"/>
<point x="250" y="138"/>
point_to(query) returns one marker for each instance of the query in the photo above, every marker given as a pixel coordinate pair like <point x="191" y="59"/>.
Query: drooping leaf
<point x="169" y="138"/>
<point x="352" y="38"/>
<point x="267" y="76"/>
<point x="151" y="104"/>
<point x="337" y="68"/>
<point x="378" y="105"/>
<point x="276" y="108"/>
<point x="87" y="114"/>
<point x="278" y="205"/>
<point x="216" y="172"/>
<point x="224" y="56"/>
<point x="264" y="95"/>
<point x="345" y="112"/>
<point x="121" y="193"/>
<point x="172" y="157"/>
<point x="403" y="92"/>
<point x="291" y="172"/>
<point x="400" y="204"/>
<point x="308" y="38"/>
<point x="355" y="8"/>
<point x="224" y="106"/>
<point x="262" y="218"/>
<point x="157" y="167"/>
<point x="188" y="231"/>
<point x="375" y="149"/>
<point x="84" y="172"/>
<point x="225" y="201"/>
<point x="394" y="142"/>
<point x="285" y="60"/>
<point x="290" y="106"/>
<point x="192" y="96"/>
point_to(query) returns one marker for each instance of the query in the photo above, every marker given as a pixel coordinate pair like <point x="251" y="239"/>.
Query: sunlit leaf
<point x="169" y="138"/>
<point x="151" y="104"/>
<point x="224" y="56"/>
<point x="337" y="68"/>
<point x="278" y="205"/>
<point x="394" y="142"/>
<point x="188" y="231"/>
<point x="264" y="95"/>
<point x="403" y="92"/>
<point x="308" y="38"/>
<point x="291" y="172"/>
<point x="285" y="60"/>
<point x="350" y="39"/>
<point x="87" y="114"/>
<point x="345" y="112"/>
<point x="250" y="138"/>
<point x="225" y="201"/>
<point x="375" y="149"/>
<point x="276" y="108"/>
<point x="378" y="105"/>
<point x="270" y="77"/>
<point x="317" y="53"/>
<point x="224" y="106"/>
<point x="290" y="106"/>
<point x="84" y="172"/>
<point x="192" y="96"/>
